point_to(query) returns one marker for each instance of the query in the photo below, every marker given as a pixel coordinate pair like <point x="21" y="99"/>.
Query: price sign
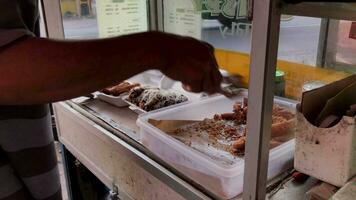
<point x="183" y="17"/>
<point x="121" y="17"/>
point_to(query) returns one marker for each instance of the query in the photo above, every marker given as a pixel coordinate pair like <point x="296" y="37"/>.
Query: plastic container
<point x="225" y="181"/>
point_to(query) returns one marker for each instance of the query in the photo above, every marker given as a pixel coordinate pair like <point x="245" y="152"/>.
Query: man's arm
<point x="35" y="70"/>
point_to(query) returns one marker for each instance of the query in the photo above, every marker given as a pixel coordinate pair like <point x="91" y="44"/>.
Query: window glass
<point x="88" y="19"/>
<point x="301" y="51"/>
<point x="341" y="46"/>
<point x="225" y="25"/>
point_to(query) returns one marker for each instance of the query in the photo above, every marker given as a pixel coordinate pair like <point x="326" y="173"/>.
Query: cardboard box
<point x="328" y="154"/>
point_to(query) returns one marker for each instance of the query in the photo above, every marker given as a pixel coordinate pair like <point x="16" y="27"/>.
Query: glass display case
<point x="277" y="54"/>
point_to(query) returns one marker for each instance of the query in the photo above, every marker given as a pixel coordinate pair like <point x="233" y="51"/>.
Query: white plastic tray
<point x="113" y="100"/>
<point x="152" y="78"/>
<point x="225" y="181"/>
<point x="132" y="106"/>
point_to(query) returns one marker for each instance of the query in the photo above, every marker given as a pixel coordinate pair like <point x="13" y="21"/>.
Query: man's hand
<point x="190" y="61"/>
<point x="40" y="70"/>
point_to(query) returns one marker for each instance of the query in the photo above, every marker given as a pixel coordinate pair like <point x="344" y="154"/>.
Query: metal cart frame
<point x="265" y="36"/>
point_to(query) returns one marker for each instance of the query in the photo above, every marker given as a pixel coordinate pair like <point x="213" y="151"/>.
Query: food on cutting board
<point x="121" y="88"/>
<point x="228" y="131"/>
<point x="153" y="98"/>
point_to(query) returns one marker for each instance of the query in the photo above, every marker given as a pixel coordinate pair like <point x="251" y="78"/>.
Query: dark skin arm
<point x="35" y="70"/>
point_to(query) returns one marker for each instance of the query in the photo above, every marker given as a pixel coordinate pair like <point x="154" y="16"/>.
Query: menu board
<point x="121" y="17"/>
<point x="183" y="17"/>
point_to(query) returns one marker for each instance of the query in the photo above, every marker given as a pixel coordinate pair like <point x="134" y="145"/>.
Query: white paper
<point x="183" y="17"/>
<point x="121" y="17"/>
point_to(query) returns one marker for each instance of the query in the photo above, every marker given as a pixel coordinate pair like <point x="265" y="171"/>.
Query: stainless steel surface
<point x="293" y="190"/>
<point x="143" y="158"/>
<point x="122" y="119"/>
<point x="265" y="36"/>
<point x="345" y="11"/>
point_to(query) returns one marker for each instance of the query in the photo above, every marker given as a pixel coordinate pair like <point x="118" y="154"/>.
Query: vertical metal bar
<point x="43" y="28"/>
<point x="67" y="175"/>
<point x="265" y="33"/>
<point x="53" y="19"/>
<point x="160" y="11"/>
<point x="250" y="9"/>
<point x="79" y="10"/>
<point x="331" y="47"/>
<point x="322" y="45"/>
<point x="152" y="14"/>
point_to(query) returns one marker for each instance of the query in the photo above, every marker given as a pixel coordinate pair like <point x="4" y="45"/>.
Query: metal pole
<point x="160" y="12"/>
<point x="152" y="14"/>
<point x="331" y="10"/>
<point x="53" y="19"/>
<point x="322" y="45"/>
<point x="265" y="33"/>
<point x="331" y="43"/>
<point x="79" y="10"/>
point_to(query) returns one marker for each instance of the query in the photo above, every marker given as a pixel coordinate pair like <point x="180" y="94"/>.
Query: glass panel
<point x="346" y="43"/>
<point x="341" y="46"/>
<point x="222" y="137"/>
<point x="225" y="25"/>
<point x="182" y="17"/>
<point x="298" y="39"/>
<point x="87" y="19"/>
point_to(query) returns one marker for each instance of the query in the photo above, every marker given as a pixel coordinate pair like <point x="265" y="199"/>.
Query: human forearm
<point x="37" y="70"/>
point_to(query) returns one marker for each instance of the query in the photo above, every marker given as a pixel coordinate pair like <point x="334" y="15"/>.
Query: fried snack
<point x="239" y="115"/>
<point x="283" y="124"/>
<point x="238" y="147"/>
<point x="151" y="98"/>
<point x="228" y="131"/>
<point x="283" y="130"/>
<point x="225" y="116"/>
<point x="119" y="89"/>
<point x="274" y="143"/>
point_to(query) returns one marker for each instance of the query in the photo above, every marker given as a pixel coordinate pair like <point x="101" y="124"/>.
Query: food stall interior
<point x="148" y="138"/>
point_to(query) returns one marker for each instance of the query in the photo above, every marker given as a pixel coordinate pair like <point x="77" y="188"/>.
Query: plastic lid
<point x="279" y="75"/>
<point x="311" y="85"/>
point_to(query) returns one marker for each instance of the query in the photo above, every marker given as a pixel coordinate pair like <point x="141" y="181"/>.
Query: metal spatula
<point x="170" y="125"/>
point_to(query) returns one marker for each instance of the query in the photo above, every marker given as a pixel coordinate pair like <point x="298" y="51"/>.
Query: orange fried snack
<point x="119" y="89"/>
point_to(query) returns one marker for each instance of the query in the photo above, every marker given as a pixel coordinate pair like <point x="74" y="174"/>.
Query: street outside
<point x="298" y="40"/>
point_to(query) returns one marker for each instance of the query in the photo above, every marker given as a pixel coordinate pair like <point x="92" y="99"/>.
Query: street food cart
<point x="115" y="143"/>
